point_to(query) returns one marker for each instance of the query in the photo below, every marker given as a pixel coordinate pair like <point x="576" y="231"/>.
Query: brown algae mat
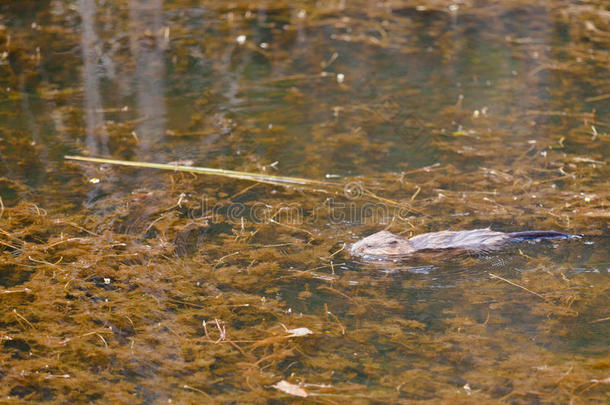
<point x="145" y="297"/>
<point x="134" y="285"/>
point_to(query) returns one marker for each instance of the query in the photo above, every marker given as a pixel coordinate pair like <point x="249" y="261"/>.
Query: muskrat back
<point x="385" y="244"/>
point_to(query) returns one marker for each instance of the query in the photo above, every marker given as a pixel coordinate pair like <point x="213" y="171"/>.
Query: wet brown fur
<point x="385" y="244"/>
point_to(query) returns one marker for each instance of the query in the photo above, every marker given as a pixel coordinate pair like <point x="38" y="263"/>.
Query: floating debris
<point x="290" y="389"/>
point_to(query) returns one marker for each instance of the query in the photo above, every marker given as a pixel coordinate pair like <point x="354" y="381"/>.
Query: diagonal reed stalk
<point x="257" y="177"/>
<point x="320" y="185"/>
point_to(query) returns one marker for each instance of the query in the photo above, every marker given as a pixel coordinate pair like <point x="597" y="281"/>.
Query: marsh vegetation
<point x="122" y="284"/>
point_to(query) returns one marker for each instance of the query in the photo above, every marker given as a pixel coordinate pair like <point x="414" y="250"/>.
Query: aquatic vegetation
<point x="126" y="284"/>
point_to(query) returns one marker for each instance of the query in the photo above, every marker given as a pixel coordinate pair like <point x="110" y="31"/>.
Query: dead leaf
<point x="291" y="389"/>
<point x="298" y="332"/>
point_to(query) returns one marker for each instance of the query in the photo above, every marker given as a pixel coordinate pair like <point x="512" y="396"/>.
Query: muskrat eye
<point x="393" y="242"/>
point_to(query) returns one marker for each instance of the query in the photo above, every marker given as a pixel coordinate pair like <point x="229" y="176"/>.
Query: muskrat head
<point x="382" y="244"/>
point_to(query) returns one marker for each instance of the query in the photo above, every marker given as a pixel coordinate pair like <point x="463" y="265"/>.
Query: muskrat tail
<point x="541" y="234"/>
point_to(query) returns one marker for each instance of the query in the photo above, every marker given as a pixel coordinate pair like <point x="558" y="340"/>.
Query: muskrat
<point x="386" y="245"/>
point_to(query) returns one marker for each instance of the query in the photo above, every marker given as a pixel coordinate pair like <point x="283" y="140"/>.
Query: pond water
<point x="122" y="284"/>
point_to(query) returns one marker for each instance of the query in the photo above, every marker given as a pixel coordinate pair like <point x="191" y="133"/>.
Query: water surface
<point x="121" y="284"/>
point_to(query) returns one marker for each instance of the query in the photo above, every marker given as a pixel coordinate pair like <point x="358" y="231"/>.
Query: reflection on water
<point x="148" y="41"/>
<point x="96" y="136"/>
<point x="121" y="284"/>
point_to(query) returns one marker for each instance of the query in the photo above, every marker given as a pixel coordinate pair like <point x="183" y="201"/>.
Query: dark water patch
<point x="19" y="347"/>
<point x="143" y="286"/>
<point x="12" y="275"/>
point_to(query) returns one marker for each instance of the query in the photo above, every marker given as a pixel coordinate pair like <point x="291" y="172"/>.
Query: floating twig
<point x="517" y="285"/>
<point x="23" y="318"/>
<point x="188" y="387"/>
<point x="258" y="177"/>
<point x="327" y="186"/>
